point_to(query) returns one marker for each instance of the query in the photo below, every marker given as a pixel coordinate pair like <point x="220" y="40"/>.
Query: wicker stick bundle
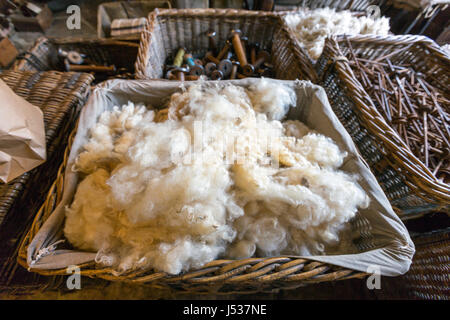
<point x="391" y="93"/>
<point x="417" y="111"/>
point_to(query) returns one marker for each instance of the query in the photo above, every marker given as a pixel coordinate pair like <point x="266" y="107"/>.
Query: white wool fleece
<point x="311" y="27"/>
<point x="215" y="174"/>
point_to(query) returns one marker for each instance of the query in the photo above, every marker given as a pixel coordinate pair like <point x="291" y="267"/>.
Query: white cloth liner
<point x="387" y="248"/>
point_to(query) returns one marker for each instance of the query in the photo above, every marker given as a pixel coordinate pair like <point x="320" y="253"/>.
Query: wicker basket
<point x="109" y="11"/>
<point x="408" y="183"/>
<point x="357" y="9"/>
<point x="168" y="30"/>
<point x="219" y="276"/>
<point x="43" y="56"/>
<point x="60" y="96"/>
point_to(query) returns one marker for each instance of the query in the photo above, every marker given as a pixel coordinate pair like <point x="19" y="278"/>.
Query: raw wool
<point x="311" y="27"/>
<point x="270" y="100"/>
<point x="211" y="175"/>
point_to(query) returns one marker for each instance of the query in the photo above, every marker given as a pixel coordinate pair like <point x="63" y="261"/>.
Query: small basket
<point x="374" y="237"/>
<point x="43" y="56"/>
<point x="109" y="11"/>
<point x="60" y="96"/>
<point x="168" y="30"/>
<point x="411" y="187"/>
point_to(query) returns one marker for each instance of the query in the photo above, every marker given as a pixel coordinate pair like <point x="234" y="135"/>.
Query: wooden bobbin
<point x="238" y="48"/>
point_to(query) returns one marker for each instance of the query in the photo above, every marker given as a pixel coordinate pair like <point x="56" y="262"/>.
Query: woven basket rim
<point x="395" y="39"/>
<point x="420" y="177"/>
<point x="60" y="96"/>
<point x="146" y="35"/>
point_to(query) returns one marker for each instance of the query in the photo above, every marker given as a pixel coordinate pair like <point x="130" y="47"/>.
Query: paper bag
<point x="22" y="135"/>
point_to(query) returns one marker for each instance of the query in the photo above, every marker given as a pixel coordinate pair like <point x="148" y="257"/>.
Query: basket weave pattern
<point x="429" y="276"/>
<point x="54" y="93"/>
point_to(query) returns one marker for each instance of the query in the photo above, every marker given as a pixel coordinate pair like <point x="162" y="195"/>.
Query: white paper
<point x="22" y="135"/>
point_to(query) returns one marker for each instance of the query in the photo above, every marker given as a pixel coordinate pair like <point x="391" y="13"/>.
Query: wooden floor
<point x="350" y="289"/>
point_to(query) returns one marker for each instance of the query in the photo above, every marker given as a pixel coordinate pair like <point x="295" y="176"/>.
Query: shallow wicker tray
<point x="411" y="187"/>
<point x="60" y="96"/>
<point x="170" y="29"/>
<point x="43" y="56"/>
<point x="219" y="276"/>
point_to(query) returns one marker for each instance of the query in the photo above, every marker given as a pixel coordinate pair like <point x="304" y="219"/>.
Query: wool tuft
<point x="214" y="174"/>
